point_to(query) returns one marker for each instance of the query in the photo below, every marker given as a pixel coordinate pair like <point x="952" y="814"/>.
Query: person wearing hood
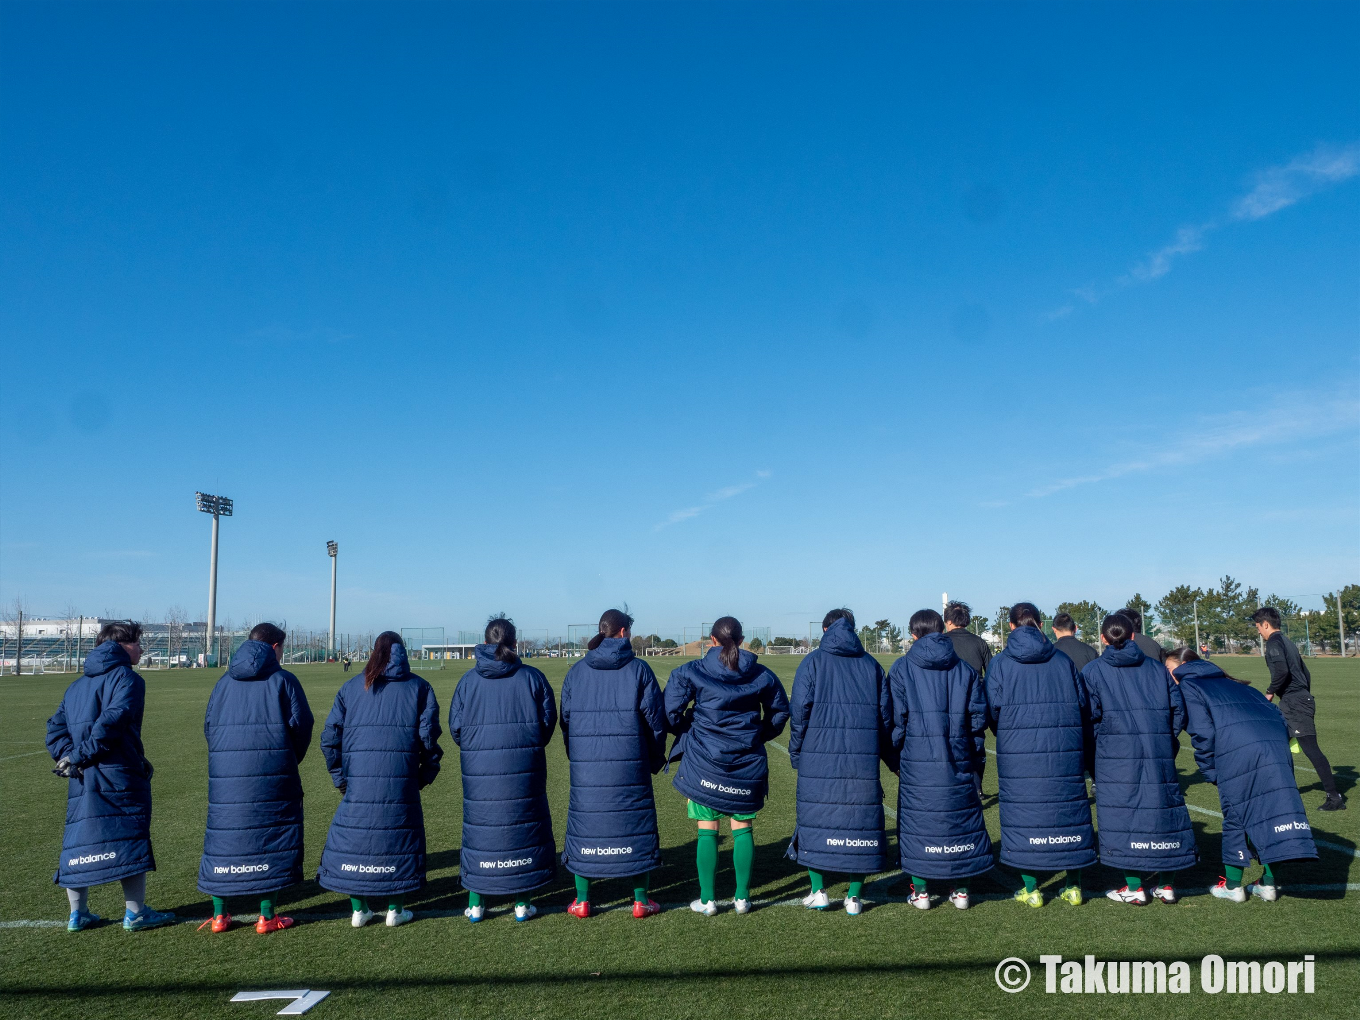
<point x="614" y="732"/>
<point x="95" y="738"/>
<point x="1137" y="711"/>
<point x="840" y="727"/>
<point x="258" y="726"/>
<point x="502" y="716"/>
<point x="381" y="745"/>
<point x="724" y="708"/>
<point x="939" y="718"/>
<point x="1241" y="744"/>
<point x="1036" y="706"/>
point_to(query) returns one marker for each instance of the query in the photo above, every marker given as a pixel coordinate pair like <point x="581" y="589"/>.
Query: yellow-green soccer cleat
<point x="1071" y="895"/>
<point x="1034" y="899"/>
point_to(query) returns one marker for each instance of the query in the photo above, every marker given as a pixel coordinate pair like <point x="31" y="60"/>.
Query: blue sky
<point x="751" y="309"/>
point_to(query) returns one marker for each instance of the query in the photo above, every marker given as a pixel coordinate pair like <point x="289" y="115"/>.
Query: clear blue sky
<point x="751" y="309"/>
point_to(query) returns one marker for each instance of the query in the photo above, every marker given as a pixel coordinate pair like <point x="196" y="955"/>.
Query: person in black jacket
<point x="967" y="645"/>
<point x="1151" y="648"/>
<point x="1291" y="683"/>
<point x="1065" y="631"/>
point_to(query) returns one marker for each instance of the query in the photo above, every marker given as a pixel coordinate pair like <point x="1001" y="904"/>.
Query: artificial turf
<point x="779" y="961"/>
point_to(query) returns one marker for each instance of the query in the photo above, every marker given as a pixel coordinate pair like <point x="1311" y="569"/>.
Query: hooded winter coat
<point x="1241" y="745"/>
<point x="840" y="728"/>
<point x="1137" y="711"/>
<point x="258" y="726"/>
<point x="939" y="718"/>
<point x="381" y="746"/>
<point x="98" y="726"/>
<point x="722" y="737"/>
<point x="614" y="732"/>
<point x="502" y="716"/>
<point x="1036" y="706"/>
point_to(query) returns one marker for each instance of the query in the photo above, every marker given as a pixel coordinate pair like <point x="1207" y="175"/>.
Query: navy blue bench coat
<point x="1036" y="706"/>
<point x="840" y="728"/>
<point x="614" y="732"/>
<point x="98" y="726"/>
<point x="258" y="726"/>
<point x="1241" y="745"/>
<point x="382" y="748"/>
<point x="721" y="739"/>
<point x="1137" y="712"/>
<point x="939" y="719"/>
<point x="502" y="716"/>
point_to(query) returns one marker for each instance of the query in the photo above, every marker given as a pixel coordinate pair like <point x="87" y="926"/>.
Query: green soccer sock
<point x="358" y="904"/>
<point x="1164" y="878"/>
<point x="743" y="854"/>
<point x="1233" y="875"/>
<point x="918" y="884"/>
<point x="474" y="899"/>
<point x="1269" y="877"/>
<point x="582" y="889"/>
<point x="396" y="903"/>
<point x="523" y="901"/>
<point x="706" y="859"/>
<point x="643" y="884"/>
<point x="961" y="889"/>
<point x="219" y="906"/>
<point x="1031" y="883"/>
<point x="1134" y="882"/>
<point x="856" y="887"/>
<point x="815" y="877"/>
<point x="267" y="907"/>
<point x="1074" y="878"/>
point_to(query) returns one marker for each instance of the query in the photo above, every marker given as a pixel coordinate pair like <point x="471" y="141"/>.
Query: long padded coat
<point x="939" y="719"/>
<point x="724" y="718"/>
<point x="1036" y="706"/>
<point x="1241" y="745"/>
<point x="502" y="716"/>
<point x="1136" y="712"/>
<point x="108" y="810"/>
<point x="840" y="727"/>
<point x="382" y="748"/>
<point x="258" y="726"/>
<point x="614" y="731"/>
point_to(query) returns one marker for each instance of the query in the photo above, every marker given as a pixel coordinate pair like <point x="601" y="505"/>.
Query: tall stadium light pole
<point x="1196" y="625"/>
<point x="332" y="548"/>
<point x="1340" y="622"/>
<point x="219" y="507"/>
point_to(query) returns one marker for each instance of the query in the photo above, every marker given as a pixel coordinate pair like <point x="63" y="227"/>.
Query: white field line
<point x="29" y="754"/>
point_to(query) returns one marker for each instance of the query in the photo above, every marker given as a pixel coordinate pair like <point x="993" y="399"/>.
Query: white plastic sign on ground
<point x="303" y="999"/>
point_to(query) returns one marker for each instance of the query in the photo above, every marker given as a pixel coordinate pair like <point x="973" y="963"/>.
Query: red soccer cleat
<point x="276" y="923"/>
<point x="220" y="923"/>
<point x="578" y="909"/>
<point x="646" y="909"/>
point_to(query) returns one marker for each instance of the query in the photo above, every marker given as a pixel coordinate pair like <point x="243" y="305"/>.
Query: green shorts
<point x="699" y="813"/>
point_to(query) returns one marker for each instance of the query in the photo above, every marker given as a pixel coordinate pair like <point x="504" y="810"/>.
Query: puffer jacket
<point x="381" y="746"/>
<point x="98" y="726"/>
<point x="502" y="716"/>
<point x="614" y="732"/>
<point x="258" y="726"/>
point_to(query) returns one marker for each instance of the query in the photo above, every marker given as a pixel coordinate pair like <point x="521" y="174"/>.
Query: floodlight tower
<point x="219" y="507"/>
<point x="332" y="548"/>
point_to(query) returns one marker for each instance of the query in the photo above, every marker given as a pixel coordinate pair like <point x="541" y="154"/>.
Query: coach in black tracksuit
<point x="1290" y="685"/>
<point x="1067" y="642"/>
<point x="971" y="649"/>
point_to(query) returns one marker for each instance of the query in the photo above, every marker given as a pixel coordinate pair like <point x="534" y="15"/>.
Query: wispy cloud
<point x="1302" y="418"/>
<point x="1275" y="188"/>
<point x="711" y="500"/>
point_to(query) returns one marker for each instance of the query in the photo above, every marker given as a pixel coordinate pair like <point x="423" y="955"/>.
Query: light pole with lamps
<point x="332" y="548"/>
<point x="219" y="507"/>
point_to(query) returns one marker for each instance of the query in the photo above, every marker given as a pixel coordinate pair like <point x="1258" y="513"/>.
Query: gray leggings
<point x="134" y="895"/>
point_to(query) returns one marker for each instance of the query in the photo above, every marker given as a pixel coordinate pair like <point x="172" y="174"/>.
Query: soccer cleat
<point x="1030" y="898"/>
<point x="1071" y="895"/>
<point x="817" y="900"/>
<point x="220" y="923"/>
<point x="474" y="914"/>
<point x="80" y="920"/>
<point x="578" y="909"/>
<point x="396" y="918"/>
<point x="147" y="919"/>
<point x="1165" y="893"/>
<point x="919" y="900"/>
<point x="360" y="918"/>
<point x="1269" y="893"/>
<point x="707" y="909"/>
<point x="853" y="905"/>
<point x="264" y="925"/>
<point x="1222" y="892"/>
<point x="741" y="906"/>
<point x="1334" y="802"/>
<point x="648" y="909"/>
<point x="1136" y="897"/>
<point x="959" y="898"/>
<point x="524" y="911"/>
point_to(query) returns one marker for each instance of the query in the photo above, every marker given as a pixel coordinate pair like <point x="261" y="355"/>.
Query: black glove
<point x="148" y="768"/>
<point x="342" y="788"/>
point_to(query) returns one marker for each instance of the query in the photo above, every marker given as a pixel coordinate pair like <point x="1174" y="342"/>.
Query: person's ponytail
<point x="727" y="632"/>
<point x="380" y="657"/>
<point x="1117" y="629"/>
<point x="501" y="633"/>
<point x="612" y="624"/>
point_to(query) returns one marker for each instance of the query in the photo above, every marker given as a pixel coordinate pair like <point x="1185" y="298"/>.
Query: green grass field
<point x="779" y="961"/>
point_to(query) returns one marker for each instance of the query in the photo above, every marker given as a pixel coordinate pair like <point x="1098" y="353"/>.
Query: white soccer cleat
<point x="1135" y="897"/>
<point x="707" y="909"/>
<point x="1165" y="893"/>
<point x="474" y="914"/>
<point x="396" y="918"/>
<point x="360" y="918"/>
<point x="741" y="906"/>
<point x="959" y="899"/>
<point x="1269" y="893"/>
<point x="818" y="900"/>
<point x="853" y="905"/>
<point x="524" y="912"/>
<point x="919" y="900"/>
<point x="1222" y="892"/>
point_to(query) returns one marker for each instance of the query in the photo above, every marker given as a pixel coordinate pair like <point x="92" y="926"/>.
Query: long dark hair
<point x="501" y="633"/>
<point x="1116" y="629"/>
<point x="612" y="624"/>
<point x="380" y="657"/>
<point x="727" y="632"/>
